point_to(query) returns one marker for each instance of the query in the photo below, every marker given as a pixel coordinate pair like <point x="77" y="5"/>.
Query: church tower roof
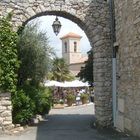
<point x="71" y="35"/>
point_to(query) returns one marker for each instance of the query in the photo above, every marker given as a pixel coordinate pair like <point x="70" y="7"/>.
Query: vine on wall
<point x="9" y="63"/>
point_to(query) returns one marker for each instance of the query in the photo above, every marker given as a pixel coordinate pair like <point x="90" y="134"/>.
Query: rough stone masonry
<point x="127" y="14"/>
<point x="5" y="112"/>
<point x="93" y="17"/>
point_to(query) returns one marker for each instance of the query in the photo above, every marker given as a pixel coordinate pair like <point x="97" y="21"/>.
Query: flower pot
<point x="69" y="102"/>
<point x="84" y="100"/>
<point x="70" y="99"/>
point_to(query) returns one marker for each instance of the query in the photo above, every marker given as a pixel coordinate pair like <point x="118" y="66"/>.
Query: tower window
<point x="75" y="46"/>
<point x="66" y="47"/>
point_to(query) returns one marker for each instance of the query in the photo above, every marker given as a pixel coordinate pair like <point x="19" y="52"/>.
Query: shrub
<point x="41" y="96"/>
<point x="84" y="98"/>
<point x="61" y="101"/>
<point x="70" y="99"/>
<point x="30" y="101"/>
<point x="23" y="107"/>
<point x="44" y="101"/>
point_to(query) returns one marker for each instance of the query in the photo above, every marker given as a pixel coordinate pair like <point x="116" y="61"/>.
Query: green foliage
<point x="34" y="54"/>
<point x="9" y="63"/>
<point x="86" y="73"/>
<point x="61" y="102"/>
<point x="60" y="71"/>
<point x="70" y="97"/>
<point x="84" y="96"/>
<point x="30" y="101"/>
<point x="23" y="107"/>
<point x="44" y="101"/>
<point x="41" y="97"/>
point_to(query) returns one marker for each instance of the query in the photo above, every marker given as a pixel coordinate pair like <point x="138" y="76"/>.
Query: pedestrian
<point x="78" y="98"/>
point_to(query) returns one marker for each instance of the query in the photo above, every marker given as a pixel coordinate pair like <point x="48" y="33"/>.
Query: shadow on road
<point x="68" y="127"/>
<point x="75" y="127"/>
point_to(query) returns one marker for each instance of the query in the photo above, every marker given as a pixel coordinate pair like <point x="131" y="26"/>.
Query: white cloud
<point x="67" y="26"/>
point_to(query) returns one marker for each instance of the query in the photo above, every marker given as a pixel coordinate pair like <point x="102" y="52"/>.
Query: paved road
<point x="73" y="123"/>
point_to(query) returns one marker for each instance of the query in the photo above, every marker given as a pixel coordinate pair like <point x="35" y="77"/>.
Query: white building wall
<point x="70" y="56"/>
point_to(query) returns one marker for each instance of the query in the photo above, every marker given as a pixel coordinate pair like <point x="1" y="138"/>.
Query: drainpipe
<point x="113" y="40"/>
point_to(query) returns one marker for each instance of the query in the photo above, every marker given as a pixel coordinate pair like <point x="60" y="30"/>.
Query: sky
<point x="45" y="24"/>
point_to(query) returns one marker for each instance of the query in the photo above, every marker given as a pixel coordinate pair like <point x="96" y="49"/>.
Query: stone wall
<point x="93" y="17"/>
<point x="5" y="111"/>
<point x="128" y="82"/>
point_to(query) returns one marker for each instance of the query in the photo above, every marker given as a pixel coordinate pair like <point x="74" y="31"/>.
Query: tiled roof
<point x="72" y="35"/>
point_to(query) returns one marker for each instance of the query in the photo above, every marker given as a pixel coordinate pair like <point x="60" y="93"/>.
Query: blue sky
<point x="45" y="23"/>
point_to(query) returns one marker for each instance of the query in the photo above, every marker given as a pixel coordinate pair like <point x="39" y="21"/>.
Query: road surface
<point x="71" y="123"/>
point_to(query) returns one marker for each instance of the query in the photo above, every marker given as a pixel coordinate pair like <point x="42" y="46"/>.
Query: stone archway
<point x="93" y="17"/>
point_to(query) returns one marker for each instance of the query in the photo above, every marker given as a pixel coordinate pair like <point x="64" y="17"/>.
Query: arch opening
<point x="98" y="54"/>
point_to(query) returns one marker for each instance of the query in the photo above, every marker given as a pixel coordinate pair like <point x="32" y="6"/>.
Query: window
<point x="75" y="46"/>
<point x="66" y="47"/>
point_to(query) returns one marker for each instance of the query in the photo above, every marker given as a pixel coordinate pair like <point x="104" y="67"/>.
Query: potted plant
<point x="59" y="104"/>
<point x="70" y="99"/>
<point x="84" y="98"/>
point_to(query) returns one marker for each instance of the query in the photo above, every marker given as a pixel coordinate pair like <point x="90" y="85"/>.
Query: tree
<point x="60" y="71"/>
<point x="9" y="63"/>
<point x="86" y="72"/>
<point x="34" y="54"/>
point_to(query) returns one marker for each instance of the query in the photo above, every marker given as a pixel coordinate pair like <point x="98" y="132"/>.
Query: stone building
<point x="71" y="52"/>
<point x="94" y="17"/>
<point x="127" y="16"/>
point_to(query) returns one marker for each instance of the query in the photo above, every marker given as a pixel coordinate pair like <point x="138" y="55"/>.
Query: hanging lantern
<point x="56" y="26"/>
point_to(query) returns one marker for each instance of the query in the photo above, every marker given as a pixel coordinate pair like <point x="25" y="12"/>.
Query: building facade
<point x="127" y="16"/>
<point x="71" y="52"/>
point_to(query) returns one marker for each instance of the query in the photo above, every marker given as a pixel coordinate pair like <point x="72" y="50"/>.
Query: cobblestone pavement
<point x="71" y="123"/>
